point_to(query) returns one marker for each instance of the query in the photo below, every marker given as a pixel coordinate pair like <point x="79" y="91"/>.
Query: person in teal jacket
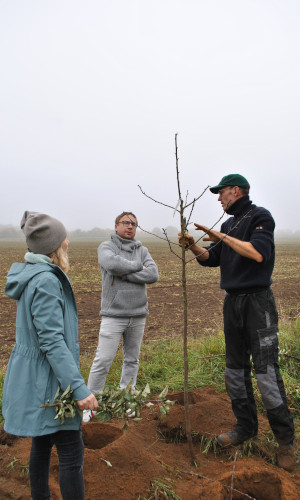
<point x="45" y="356"/>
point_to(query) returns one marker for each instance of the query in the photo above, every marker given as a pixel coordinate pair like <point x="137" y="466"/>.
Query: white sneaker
<point x="130" y="413"/>
<point x="88" y="415"/>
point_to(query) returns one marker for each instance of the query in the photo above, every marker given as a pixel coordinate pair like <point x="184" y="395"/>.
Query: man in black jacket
<point x="245" y="251"/>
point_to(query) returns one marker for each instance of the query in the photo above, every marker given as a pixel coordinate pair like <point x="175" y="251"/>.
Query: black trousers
<point x="251" y="330"/>
<point x="70" y="450"/>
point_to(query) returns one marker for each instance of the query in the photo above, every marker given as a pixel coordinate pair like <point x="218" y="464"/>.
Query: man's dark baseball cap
<point x="231" y="180"/>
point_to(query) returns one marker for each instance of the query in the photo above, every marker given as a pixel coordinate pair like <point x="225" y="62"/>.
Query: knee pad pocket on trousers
<point x="235" y="383"/>
<point x="269" y="389"/>
<point x="268" y="345"/>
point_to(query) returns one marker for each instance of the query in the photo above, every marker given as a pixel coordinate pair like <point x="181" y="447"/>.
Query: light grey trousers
<point x="112" y="329"/>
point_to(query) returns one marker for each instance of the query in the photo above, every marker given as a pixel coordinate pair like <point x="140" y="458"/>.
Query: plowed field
<point x="146" y="453"/>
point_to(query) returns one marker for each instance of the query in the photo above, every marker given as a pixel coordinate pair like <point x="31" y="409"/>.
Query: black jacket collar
<point x="239" y="206"/>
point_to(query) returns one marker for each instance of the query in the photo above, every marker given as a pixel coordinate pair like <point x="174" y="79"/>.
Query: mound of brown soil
<point x="152" y="456"/>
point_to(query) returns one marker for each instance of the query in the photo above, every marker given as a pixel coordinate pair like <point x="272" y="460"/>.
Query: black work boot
<point x="231" y="438"/>
<point x="286" y="457"/>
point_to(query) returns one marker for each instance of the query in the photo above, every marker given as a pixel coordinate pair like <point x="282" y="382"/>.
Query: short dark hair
<point x="119" y="217"/>
<point x="245" y="191"/>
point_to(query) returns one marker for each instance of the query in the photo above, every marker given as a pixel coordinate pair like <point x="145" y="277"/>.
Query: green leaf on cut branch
<point x="113" y="403"/>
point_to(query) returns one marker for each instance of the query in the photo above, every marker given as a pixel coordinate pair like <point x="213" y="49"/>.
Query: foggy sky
<point x="92" y="93"/>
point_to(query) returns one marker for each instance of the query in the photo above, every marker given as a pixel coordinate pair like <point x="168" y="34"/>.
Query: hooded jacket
<point x="126" y="267"/>
<point x="46" y="353"/>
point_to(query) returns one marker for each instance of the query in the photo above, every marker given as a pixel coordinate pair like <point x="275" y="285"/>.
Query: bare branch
<point x="195" y="199"/>
<point x="183" y="229"/>
<point x="169" y="243"/>
<point x="161" y="238"/>
<point x="152" y="234"/>
<point x="195" y="256"/>
<point x="218" y="242"/>
<point x="156" y="201"/>
<point x="200" y="476"/>
<point x="214" y="225"/>
<point x="232" y="475"/>
<point x="193" y="205"/>
<point x="212" y="356"/>
<point x="177" y="205"/>
<point x="201" y="237"/>
<point x="218" y="481"/>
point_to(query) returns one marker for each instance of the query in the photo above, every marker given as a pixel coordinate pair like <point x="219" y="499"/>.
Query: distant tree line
<point x="10" y="233"/>
<point x="14" y="233"/>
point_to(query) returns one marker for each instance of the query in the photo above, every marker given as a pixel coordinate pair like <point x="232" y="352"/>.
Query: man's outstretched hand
<point x="211" y="235"/>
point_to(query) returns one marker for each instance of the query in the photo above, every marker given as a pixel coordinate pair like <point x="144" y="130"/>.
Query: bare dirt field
<point x="146" y="454"/>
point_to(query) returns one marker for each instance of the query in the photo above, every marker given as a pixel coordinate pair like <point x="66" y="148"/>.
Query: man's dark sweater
<point x="249" y="223"/>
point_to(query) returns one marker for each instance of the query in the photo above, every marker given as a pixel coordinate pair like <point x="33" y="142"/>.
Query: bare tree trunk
<point x="185" y="354"/>
<point x="185" y="317"/>
<point x="180" y="208"/>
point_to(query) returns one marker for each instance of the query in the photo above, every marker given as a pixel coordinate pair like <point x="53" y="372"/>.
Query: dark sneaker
<point x="231" y="438"/>
<point x="286" y="457"/>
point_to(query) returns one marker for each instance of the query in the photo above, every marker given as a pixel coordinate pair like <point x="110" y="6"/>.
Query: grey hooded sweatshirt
<point x="126" y="267"/>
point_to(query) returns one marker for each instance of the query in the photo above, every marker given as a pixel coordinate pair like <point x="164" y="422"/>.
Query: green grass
<point x="289" y="358"/>
<point x="263" y="446"/>
<point x="161" y="364"/>
<point x="162" y="489"/>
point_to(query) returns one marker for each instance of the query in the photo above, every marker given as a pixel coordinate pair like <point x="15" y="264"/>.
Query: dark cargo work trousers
<point x="251" y="329"/>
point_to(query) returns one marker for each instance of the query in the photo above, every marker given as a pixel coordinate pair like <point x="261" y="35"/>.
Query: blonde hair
<point x="60" y="258"/>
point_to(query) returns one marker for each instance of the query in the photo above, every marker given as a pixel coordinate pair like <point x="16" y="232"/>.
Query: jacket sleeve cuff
<point x="81" y="392"/>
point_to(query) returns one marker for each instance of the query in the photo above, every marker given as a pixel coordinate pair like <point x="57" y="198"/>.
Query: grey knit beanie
<point x="43" y="233"/>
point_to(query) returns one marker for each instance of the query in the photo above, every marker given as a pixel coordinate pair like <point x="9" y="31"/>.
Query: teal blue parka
<point x="46" y="353"/>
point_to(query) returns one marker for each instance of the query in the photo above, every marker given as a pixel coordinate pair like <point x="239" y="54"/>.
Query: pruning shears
<point x="185" y="230"/>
